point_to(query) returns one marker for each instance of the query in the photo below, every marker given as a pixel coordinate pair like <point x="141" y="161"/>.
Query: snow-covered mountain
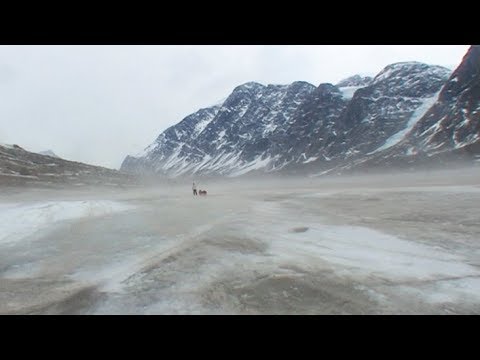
<point x="234" y="138"/>
<point x="445" y="128"/>
<point x="303" y="128"/>
<point x="453" y="122"/>
<point x="377" y="114"/>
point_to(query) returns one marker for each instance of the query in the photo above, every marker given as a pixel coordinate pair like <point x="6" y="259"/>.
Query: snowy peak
<point x="355" y="80"/>
<point x="453" y="122"/>
<point x="395" y="69"/>
<point x="298" y="85"/>
<point x="244" y="95"/>
<point x="446" y="127"/>
<point x="302" y="128"/>
<point x="350" y="85"/>
<point x="327" y="90"/>
<point x="250" y="86"/>
<point x="193" y="124"/>
<point x="411" y="79"/>
<point x="230" y="137"/>
<point x="247" y="90"/>
<point x="380" y="114"/>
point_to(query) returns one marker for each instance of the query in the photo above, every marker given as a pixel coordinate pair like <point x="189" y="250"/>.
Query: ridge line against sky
<point x="97" y="104"/>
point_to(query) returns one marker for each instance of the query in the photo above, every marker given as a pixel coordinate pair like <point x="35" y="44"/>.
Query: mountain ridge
<point x="304" y="128"/>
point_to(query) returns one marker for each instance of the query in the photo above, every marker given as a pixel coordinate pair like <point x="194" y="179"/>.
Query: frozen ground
<point x="392" y="244"/>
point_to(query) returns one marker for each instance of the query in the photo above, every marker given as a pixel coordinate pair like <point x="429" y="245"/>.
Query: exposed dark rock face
<point x="448" y="131"/>
<point x="453" y="122"/>
<point x="409" y="113"/>
<point x="234" y="138"/>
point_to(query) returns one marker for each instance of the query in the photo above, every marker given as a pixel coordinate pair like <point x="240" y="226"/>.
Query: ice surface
<point x="349" y="91"/>
<point x="374" y="244"/>
<point x="416" y="116"/>
<point x="21" y="220"/>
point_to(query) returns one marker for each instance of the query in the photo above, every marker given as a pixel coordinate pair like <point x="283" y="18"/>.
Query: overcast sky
<point x="96" y="104"/>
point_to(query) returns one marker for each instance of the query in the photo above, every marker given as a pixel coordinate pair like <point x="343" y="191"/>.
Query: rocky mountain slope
<point x="453" y="122"/>
<point x="406" y="110"/>
<point x="447" y="131"/>
<point x="234" y="138"/>
<point x="21" y="167"/>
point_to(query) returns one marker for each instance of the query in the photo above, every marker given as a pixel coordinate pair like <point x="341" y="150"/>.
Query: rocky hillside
<point x="448" y="130"/>
<point x="21" y="167"/>
<point x="409" y="110"/>
<point x="453" y="122"/>
<point x="234" y="138"/>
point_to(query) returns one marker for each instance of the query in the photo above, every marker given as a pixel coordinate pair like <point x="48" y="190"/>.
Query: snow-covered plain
<point x="360" y="245"/>
<point x="20" y="220"/>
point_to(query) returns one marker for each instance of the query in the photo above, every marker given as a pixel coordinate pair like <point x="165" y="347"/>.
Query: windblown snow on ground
<point x="20" y="220"/>
<point x="398" y="244"/>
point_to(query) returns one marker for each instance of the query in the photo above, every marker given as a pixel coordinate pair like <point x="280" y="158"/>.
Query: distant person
<point x="194" y="188"/>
